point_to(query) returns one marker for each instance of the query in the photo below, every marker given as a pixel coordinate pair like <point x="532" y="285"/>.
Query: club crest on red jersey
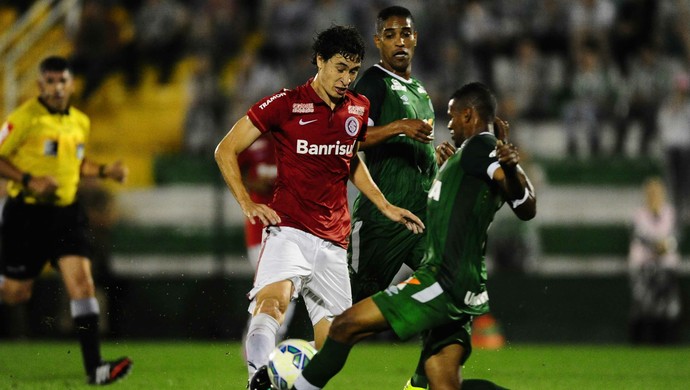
<point x="351" y="126"/>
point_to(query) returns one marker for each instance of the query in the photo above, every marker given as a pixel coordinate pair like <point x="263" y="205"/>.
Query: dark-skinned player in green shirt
<point x="449" y="288"/>
<point x="400" y="155"/>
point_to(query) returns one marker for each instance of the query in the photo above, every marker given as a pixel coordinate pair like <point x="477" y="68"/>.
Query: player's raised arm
<point x="518" y="190"/>
<point x="242" y="134"/>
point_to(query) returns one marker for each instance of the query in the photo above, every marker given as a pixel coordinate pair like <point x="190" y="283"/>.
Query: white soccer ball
<point x="287" y="361"/>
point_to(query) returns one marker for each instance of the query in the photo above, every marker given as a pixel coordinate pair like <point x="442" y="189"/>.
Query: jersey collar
<point x="50" y="110"/>
<point x="401" y="79"/>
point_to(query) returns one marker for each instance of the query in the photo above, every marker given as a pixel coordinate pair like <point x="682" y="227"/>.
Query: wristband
<point x="101" y="171"/>
<point x="26" y="178"/>
<point x="518" y="202"/>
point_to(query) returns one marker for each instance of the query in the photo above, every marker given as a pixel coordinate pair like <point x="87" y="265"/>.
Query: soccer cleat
<point x="111" y="372"/>
<point x="408" y="386"/>
<point x="260" y="380"/>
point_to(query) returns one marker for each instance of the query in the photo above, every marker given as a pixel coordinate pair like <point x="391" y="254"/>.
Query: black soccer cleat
<point x="260" y="380"/>
<point x="110" y="372"/>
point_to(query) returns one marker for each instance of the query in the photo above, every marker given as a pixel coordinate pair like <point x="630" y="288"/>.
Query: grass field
<point x="372" y="366"/>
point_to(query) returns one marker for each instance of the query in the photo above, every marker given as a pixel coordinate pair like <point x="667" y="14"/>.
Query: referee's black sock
<point x="85" y="315"/>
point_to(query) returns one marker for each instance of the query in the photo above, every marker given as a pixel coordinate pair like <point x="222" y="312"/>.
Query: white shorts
<point x="317" y="268"/>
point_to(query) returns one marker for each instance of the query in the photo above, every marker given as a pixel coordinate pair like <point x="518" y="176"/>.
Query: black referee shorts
<point x="33" y="234"/>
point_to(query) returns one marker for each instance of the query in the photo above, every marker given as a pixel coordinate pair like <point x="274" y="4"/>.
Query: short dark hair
<point x="343" y="40"/>
<point x="55" y="64"/>
<point x="479" y="96"/>
<point x="391" y="11"/>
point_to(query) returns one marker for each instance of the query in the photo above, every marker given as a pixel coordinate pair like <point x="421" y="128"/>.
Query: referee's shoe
<point x="110" y="372"/>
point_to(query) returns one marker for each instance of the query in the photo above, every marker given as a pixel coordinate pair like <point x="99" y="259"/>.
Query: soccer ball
<point x="287" y="361"/>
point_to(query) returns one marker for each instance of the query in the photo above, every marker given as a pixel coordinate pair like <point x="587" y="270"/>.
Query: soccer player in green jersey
<point x="399" y="153"/>
<point x="449" y="288"/>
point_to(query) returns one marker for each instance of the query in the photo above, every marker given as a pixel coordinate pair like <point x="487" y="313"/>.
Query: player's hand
<point x="405" y="217"/>
<point x="264" y="214"/>
<point x="416" y="129"/>
<point x="501" y="129"/>
<point x="43" y="186"/>
<point x="117" y="171"/>
<point x="507" y="155"/>
<point x="443" y="152"/>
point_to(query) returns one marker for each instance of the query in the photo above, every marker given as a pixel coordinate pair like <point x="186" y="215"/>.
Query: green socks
<point x="327" y="363"/>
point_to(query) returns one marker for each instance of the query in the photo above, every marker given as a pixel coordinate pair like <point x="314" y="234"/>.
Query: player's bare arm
<point x="242" y="134"/>
<point x="360" y="177"/>
<point x="415" y="129"/>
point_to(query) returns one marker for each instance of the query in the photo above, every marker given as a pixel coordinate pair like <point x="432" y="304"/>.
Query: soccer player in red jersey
<point x="317" y="127"/>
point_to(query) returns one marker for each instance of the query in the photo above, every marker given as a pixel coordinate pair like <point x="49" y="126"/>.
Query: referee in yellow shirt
<point x="42" y="153"/>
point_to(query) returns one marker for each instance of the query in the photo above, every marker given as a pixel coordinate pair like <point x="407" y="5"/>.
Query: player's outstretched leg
<point x="110" y="372"/>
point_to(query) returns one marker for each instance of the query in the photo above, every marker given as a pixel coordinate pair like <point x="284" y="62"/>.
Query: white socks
<point x="84" y="307"/>
<point x="261" y="340"/>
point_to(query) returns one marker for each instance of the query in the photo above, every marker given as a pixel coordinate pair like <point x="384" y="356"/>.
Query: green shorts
<point x="376" y="253"/>
<point x="419" y="305"/>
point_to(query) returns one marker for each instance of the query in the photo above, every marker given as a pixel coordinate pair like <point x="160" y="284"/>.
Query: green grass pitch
<point x="375" y="366"/>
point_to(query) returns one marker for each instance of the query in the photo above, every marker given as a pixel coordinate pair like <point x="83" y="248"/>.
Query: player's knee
<point x="344" y="328"/>
<point x="272" y="307"/>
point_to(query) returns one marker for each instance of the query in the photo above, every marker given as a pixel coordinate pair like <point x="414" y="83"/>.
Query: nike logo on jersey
<point x="303" y="122"/>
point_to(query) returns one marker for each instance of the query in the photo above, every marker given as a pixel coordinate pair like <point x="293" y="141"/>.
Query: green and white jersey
<point x="401" y="167"/>
<point x="462" y="203"/>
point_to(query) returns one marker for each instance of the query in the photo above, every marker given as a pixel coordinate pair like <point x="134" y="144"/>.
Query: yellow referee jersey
<point x="43" y="143"/>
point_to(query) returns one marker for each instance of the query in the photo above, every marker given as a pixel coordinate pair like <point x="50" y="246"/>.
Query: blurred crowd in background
<point x="586" y="62"/>
<point x="612" y="74"/>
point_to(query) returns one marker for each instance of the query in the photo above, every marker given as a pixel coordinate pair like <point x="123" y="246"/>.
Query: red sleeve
<point x="269" y="112"/>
